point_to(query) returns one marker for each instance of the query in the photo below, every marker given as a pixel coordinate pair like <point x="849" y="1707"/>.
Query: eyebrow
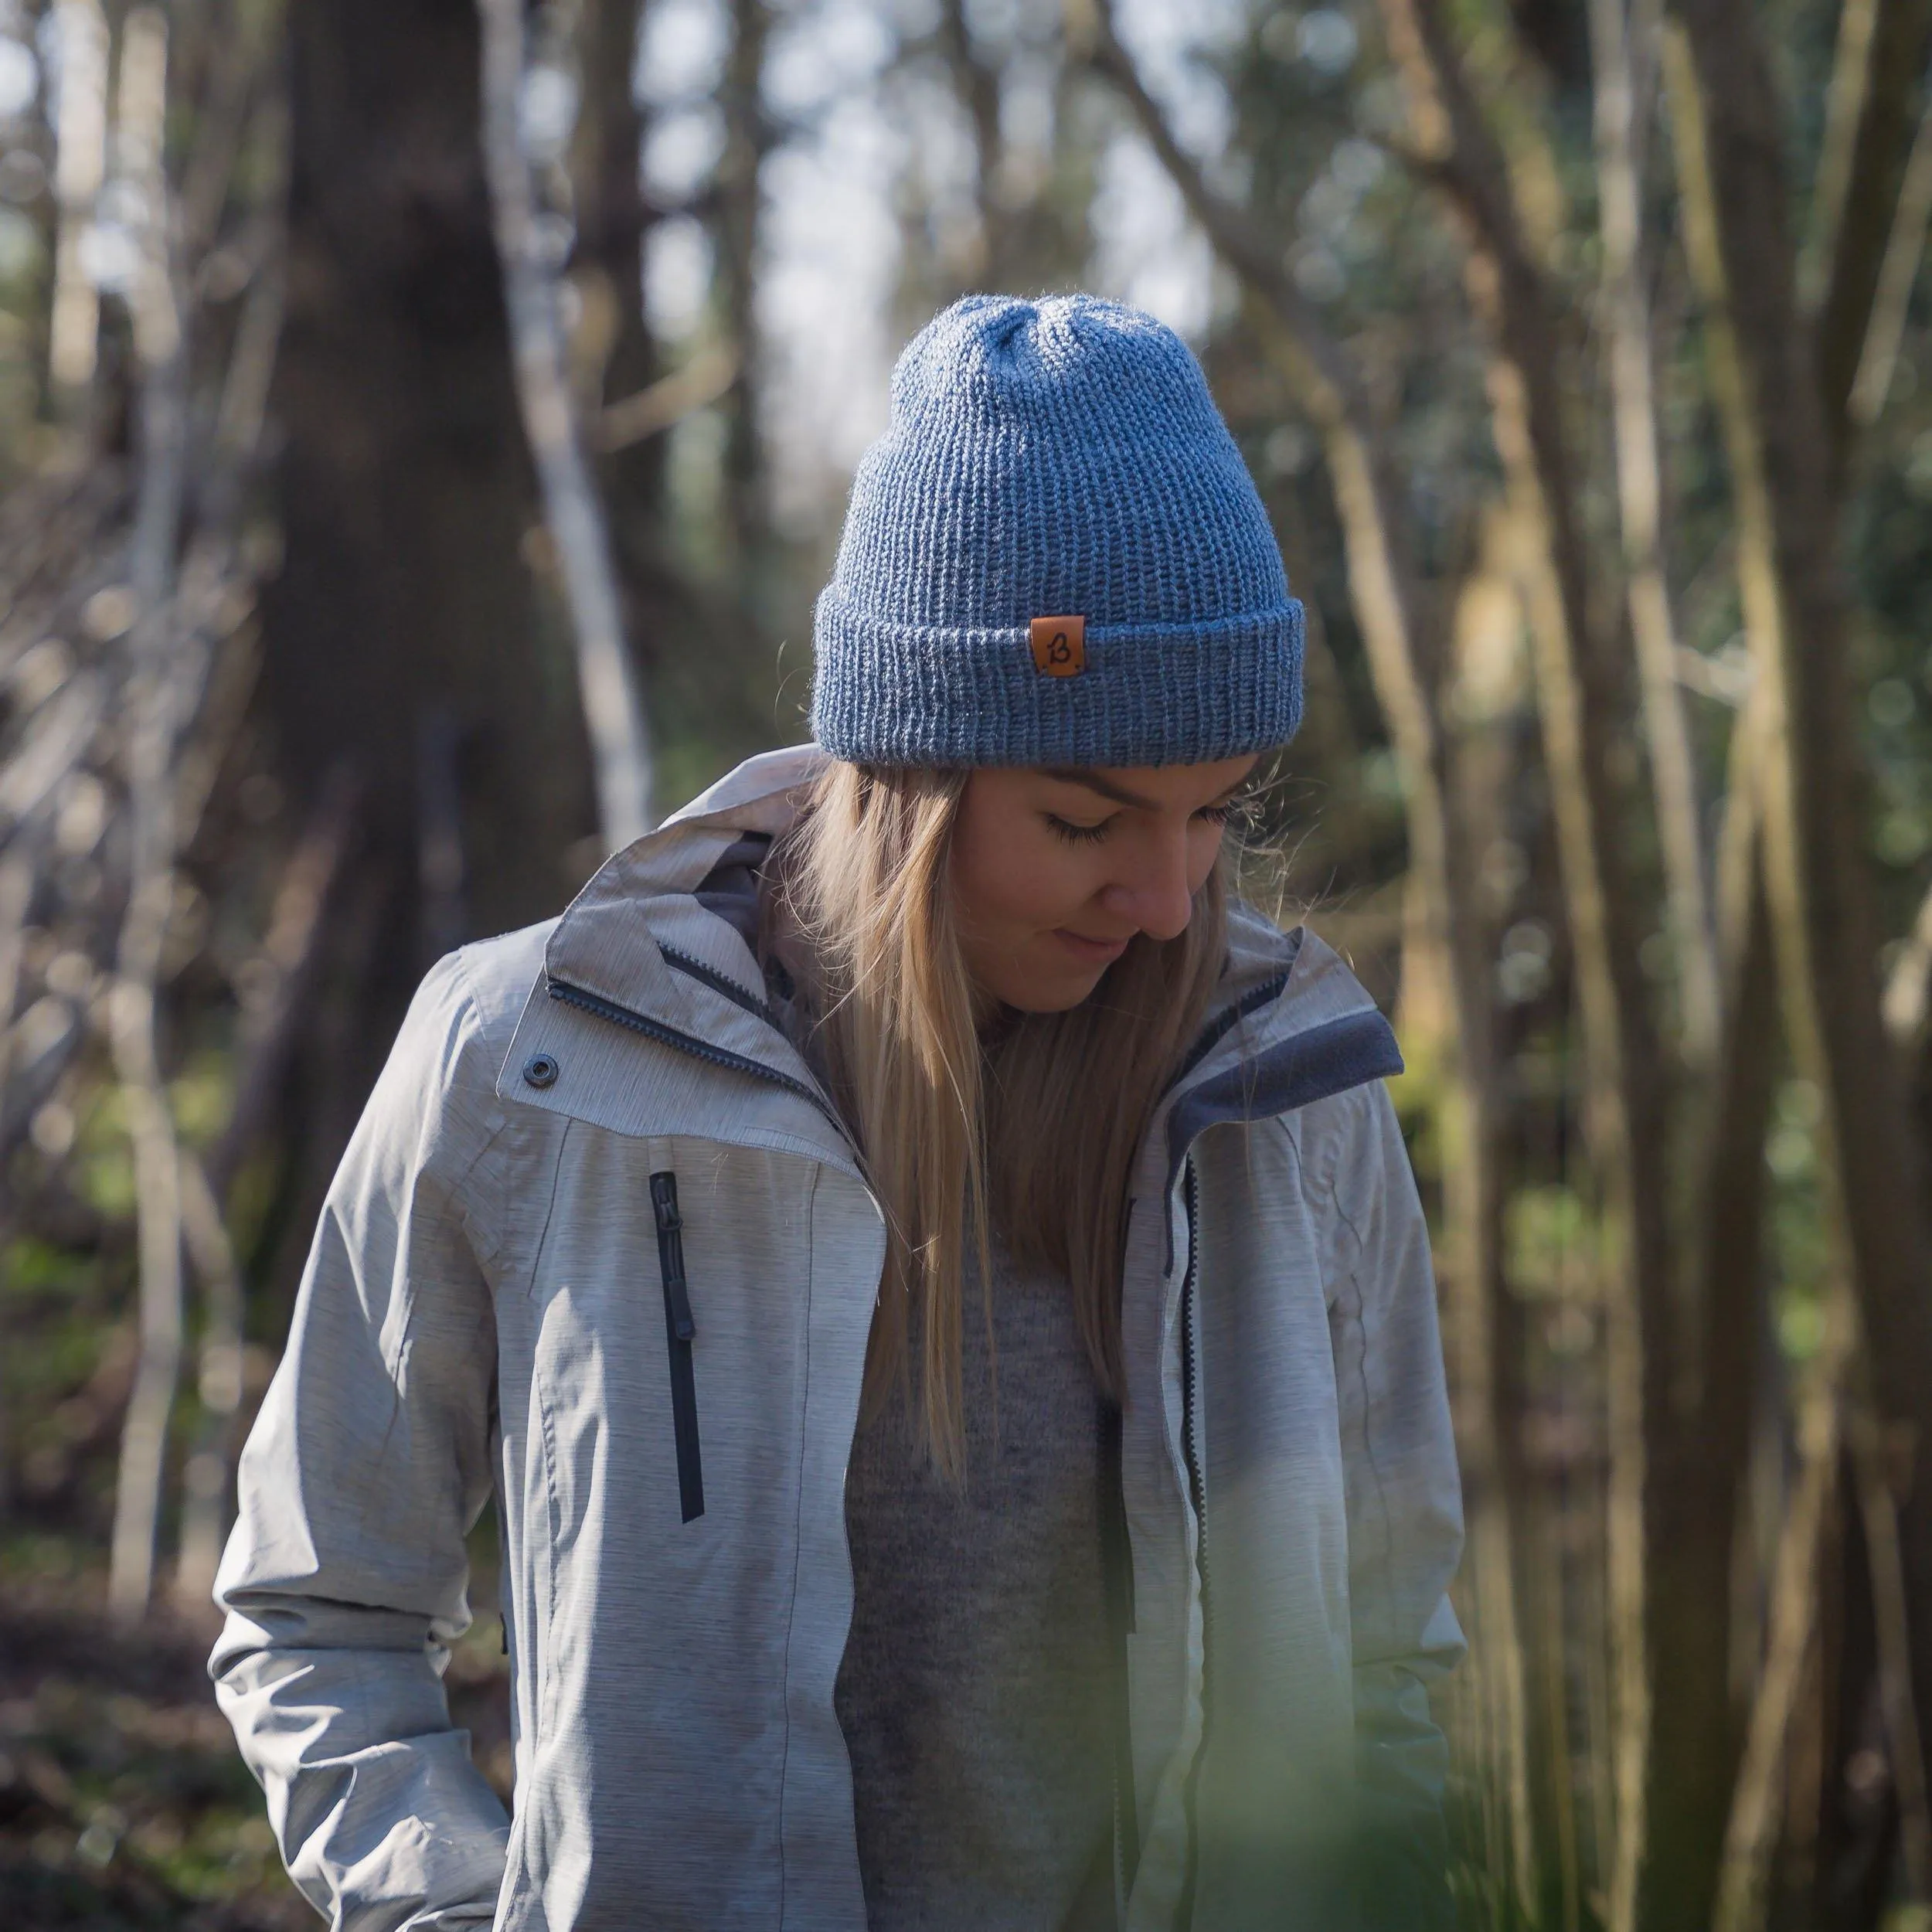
<point x="1118" y="794"/>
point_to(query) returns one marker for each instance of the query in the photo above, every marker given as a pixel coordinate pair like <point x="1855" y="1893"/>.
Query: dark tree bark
<point x="1818" y="877"/>
<point x="739" y="195"/>
<point x="406" y="595"/>
<point x="612" y="218"/>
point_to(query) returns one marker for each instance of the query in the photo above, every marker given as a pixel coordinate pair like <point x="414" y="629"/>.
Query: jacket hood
<point x="1290" y="1022"/>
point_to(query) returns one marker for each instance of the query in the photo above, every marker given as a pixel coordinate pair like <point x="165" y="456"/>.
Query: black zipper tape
<point x="723" y="983"/>
<point x="636" y="1023"/>
<point x="1197" y="1486"/>
<point x="1116" y="1571"/>
<point x="680" y="1330"/>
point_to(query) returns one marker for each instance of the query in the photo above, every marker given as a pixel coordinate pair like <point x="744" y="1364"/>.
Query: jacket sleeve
<point x="1405" y="1515"/>
<point x="345" y="1580"/>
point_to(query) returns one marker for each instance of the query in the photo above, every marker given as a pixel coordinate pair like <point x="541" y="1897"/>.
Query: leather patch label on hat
<point x="1059" y="646"/>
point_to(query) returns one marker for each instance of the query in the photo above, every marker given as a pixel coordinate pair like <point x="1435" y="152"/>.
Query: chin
<point x="1058" y="996"/>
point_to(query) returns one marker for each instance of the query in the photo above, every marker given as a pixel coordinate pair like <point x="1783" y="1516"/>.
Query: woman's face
<point x="1054" y="871"/>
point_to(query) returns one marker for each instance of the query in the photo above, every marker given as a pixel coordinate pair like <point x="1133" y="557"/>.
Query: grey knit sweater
<point x="974" y="1693"/>
<point x="976" y="1687"/>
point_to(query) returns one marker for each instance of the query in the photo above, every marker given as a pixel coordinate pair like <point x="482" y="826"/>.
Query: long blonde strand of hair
<point x="1036" y="1132"/>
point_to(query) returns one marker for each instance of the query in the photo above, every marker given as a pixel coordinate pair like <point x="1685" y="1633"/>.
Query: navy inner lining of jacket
<point x="1325" y="1060"/>
<point x="730" y="888"/>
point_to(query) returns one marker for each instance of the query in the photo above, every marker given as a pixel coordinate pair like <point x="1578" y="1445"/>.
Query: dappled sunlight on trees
<point x="423" y="432"/>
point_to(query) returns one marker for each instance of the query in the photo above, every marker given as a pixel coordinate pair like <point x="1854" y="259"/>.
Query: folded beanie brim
<point x="898" y="695"/>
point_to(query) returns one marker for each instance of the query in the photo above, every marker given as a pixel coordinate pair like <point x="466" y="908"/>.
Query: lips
<point x="1092" y="951"/>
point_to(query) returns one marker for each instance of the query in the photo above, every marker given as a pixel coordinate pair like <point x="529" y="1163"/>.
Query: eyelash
<point x="1092" y="834"/>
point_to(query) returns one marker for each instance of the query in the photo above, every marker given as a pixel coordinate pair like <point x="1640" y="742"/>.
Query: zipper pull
<point x="664" y="1203"/>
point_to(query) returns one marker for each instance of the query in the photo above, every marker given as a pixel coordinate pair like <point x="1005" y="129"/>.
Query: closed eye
<point x="1078" y="835"/>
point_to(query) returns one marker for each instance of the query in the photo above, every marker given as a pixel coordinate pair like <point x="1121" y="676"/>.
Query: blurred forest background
<point x="423" y="429"/>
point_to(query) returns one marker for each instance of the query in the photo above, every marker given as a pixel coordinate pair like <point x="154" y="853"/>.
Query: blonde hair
<point x="1032" y="1129"/>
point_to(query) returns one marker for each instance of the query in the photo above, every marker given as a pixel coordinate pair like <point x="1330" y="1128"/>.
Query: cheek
<point x="1013" y="877"/>
<point x="1204" y="842"/>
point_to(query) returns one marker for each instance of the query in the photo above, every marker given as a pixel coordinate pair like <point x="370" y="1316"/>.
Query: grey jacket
<point x="659" y="1380"/>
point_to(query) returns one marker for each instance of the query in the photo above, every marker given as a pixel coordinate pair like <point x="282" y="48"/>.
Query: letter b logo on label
<point x="1059" y="646"/>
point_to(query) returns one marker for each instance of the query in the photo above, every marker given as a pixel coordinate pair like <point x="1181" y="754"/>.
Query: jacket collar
<point x="1290" y="1024"/>
<point x="636" y="939"/>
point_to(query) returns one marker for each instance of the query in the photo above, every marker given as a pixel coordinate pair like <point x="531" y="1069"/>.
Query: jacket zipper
<point x="1197" y="1493"/>
<point x="720" y="983"/>
<point x="685" y="1412"/>
<point x="680" y="1330"/>
<point x="689" y="1043"/>
<point x="680" y="1327"/>
<point x="1117" y="1573"/>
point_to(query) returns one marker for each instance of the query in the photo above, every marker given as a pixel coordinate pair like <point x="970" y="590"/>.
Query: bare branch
<point x="80" y="133"/>
<point x="163" y="681"/>
<point x="1908" y="987"/>
<point x="613" y="707"/>
<point x="1858" y="230"/>
<point x="1904" y="248"/>
<point x="282" y="975"/>
<point x="978" y="86"/>
<point x="1844" y="98"/>
<point x="658" y="407"/>
<point x="1640" y="502"/>
<point x="1891" y="1616"/>
<point x="1752" y="1834"/>
<point x="204" y="1524"/>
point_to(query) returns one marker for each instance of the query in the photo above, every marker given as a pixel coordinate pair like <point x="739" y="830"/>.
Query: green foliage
<point x="1800" y="1246"/>
<point x="1554" y="1245"/>
<point x="201" y="1096"/>
<point x="122" y="1803"/>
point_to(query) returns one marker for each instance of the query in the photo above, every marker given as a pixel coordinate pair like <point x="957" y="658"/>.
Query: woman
<point x="935" y="1287"/>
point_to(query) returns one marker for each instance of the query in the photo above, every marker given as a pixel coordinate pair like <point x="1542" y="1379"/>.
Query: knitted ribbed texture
<point x="1054" y="458"/>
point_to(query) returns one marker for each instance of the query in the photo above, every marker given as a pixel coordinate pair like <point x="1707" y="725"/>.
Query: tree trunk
<point x="739" y="198"/>
<point x="1640" y="505"/>
<point x="613" y="711"/>
<point x="408" y="500"/>
<point x="1819" y="881"/>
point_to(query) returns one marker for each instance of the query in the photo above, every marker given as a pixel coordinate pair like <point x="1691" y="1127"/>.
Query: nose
<point x="1154" y="891"/>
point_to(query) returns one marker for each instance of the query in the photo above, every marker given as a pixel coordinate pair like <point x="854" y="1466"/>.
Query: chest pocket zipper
<point x="680" y="1330"/>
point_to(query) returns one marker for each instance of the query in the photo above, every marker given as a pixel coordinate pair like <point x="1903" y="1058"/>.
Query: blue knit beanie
<point x="1054" y="555"/>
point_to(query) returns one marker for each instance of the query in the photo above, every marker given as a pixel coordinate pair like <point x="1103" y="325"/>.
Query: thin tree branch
<point x="613" y="706"/>
<point x="159" y="704"/>
<point x="80" y="135"/>
<point x="1904" y="248"/>
<point x="660" y="405"/>
<point x="1845" y="95"/>
<point x="16" y="899"/>
<point x="1751" y="1835"/>
<point x="1858" y="230"/>
<point x="1908" y="987"/>
<point x="282" y="975"/>
<point x="1877" y="1508"/>
<point x="1640" y="502"/>
<point x="204" y="1516"/>
<point x="978" y="87"/>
